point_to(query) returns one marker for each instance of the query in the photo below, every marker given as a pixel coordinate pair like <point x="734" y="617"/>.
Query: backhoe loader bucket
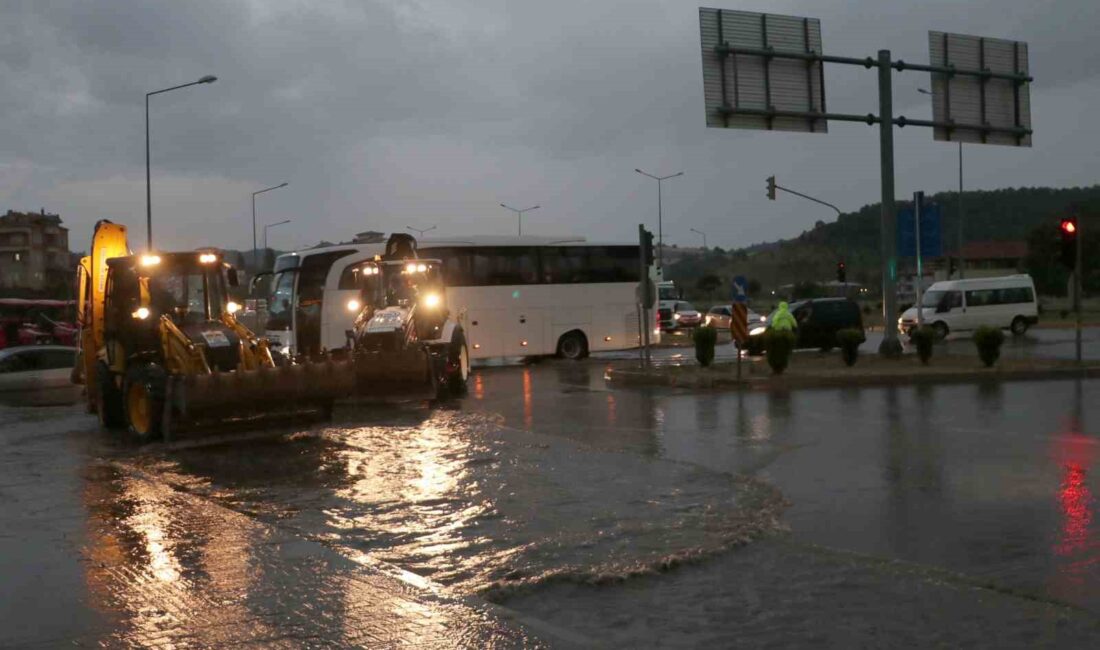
<point x="395" y="372"/>
<point x="265" y="390"/>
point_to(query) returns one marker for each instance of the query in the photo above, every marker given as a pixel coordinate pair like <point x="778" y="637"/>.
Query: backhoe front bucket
<point x="407" y="371"/>
<point x="266" y="390"/>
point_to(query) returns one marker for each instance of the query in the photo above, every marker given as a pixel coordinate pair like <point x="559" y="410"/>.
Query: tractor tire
<point x="143" y="397"/>
<point x="573" y="345"/>
<point x="457" y="370"/>
<point x="108" y="398"/>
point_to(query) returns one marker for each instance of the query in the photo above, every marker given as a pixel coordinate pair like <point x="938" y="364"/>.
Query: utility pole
<point x="701" y="234"/>
<point x="519" y="215"/>
<point x="918" y="207"/>
<point x="660" y="226"/>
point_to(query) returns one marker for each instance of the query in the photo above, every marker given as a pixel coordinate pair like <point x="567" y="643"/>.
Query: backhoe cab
<point x="403" y="338"/>
<point x="160" y="343"/>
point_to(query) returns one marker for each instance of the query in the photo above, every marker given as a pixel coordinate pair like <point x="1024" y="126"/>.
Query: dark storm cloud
<point x="387" y="113"/>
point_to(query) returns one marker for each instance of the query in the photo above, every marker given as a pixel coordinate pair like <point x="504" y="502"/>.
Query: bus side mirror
<point x="231" y="276"/>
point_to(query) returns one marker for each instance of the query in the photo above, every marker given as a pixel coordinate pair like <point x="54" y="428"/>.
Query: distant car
<point x="684" y="316"/>
<point x="720" y="316"/>
<point x="818" y="322"/>
<point x="37" y="375"/>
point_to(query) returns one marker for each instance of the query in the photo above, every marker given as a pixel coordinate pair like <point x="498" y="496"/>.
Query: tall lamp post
<point x="208" y="79"/>
<point x="660" y="228"/>
<point x="701" y="234"/>
<point x="254" y="250"/>
<point x="421" y="231"/>
<point x="959" y="244"/>
<point x="519" y="215"/>
<point x="272" y="225"/>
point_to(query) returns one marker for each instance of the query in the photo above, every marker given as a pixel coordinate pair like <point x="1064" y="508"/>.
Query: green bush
<point x="923" y="337"/>
<point x="705" y="338"/>
<point x="849" y="341"/>
<point x="988" y="341"/>
<point x="779" y="347"/>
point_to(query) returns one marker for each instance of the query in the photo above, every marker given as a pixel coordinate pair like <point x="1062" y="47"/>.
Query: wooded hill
<point x="997" y="215"/>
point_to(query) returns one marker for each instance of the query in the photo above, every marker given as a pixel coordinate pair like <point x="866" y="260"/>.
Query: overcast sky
<point x="433" y="112"/>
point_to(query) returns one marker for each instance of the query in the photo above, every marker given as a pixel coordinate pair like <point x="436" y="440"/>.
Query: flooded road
<point x="897" y="516"/>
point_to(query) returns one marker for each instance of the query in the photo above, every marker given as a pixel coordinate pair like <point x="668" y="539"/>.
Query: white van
<point x="963" y="305"/>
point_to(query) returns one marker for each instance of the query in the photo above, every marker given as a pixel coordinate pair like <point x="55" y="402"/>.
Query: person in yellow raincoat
<point x="783" y="320"/>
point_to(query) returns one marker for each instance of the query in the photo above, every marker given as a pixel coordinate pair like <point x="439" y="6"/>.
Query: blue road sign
<point x="931" y="234"/>
<point x="739" y="291"/>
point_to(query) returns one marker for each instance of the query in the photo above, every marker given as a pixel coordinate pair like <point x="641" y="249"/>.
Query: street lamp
<point x="208" y="79"/>
<point x="421" y="231"/>
<point x="254" y="251"/>
<point x="959" y="244"/>
<point x="519" y="215"/>
<point x="272" y="225"/>
<point x="702" y="234"/>
<point x="660" y="233"/>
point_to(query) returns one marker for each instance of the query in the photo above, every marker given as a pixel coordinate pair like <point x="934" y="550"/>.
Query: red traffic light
<point x="1069" y="226"/>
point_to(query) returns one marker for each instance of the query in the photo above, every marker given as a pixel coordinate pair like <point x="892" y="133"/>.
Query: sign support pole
<point x="890" y="346"/>
<point x="918" y="207"/>
<point x="1077" y="273"/>
<point x="643" y="308"/>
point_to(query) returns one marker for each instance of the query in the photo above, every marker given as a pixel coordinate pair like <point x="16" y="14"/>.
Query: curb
<point x="720" y="379"/>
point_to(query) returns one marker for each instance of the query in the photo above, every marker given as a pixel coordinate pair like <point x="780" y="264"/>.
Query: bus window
<point x="565" y="265"/>
<point x="613" y="263"/>
<point x="506" y="265"/>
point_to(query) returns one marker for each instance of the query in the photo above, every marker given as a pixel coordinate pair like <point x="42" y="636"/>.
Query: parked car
<point x="38" y="375"/>
<point x="720" y="316"/>
<point x="960" y="305"/>
<point x="818" y="322"/>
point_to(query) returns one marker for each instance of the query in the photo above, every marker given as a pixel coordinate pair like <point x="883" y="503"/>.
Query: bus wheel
<point x="1019" y="326"/>
<point x="573" y="345"/>
<point x="940" y="328"/>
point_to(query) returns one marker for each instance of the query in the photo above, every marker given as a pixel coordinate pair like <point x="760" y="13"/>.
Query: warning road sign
<point x="739" y="324"/>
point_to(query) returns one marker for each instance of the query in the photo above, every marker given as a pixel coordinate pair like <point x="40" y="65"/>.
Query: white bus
<point x="513" y="296"/>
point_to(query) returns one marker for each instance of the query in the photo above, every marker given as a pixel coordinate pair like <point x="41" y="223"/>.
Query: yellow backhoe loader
<point x="160" y="345"/>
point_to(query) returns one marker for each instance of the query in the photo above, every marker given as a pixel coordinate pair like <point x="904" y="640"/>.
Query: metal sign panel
<point x="739" y="289"/>
<point x="931" y="232"/>
<point x="757" y="82"/>
<point x="980" y="100"/>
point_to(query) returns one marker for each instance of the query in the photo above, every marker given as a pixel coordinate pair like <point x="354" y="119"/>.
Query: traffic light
<point x="841" y="272"/>
<point x="647" y="247"/>
<point x="771" y="188"/>
<point x="1068" y="230"/>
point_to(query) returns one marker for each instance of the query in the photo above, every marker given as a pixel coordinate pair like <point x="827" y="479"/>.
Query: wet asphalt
<point x="547" y="509"/>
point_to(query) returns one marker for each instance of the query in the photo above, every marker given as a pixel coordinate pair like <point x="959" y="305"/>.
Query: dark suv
<point x="818" y="322"/>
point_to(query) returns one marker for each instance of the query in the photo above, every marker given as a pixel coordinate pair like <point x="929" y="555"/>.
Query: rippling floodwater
<point x="468" y="502"/>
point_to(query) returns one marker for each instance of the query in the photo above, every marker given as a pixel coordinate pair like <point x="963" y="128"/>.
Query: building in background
<point x="34" y="251"/>
<point x="994" y="258"/>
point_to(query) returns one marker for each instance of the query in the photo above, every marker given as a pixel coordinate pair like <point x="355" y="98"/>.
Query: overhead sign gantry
<point x="765" y="71"/>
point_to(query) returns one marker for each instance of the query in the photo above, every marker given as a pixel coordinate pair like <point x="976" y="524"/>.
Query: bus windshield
<point x="279" y="314"/>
